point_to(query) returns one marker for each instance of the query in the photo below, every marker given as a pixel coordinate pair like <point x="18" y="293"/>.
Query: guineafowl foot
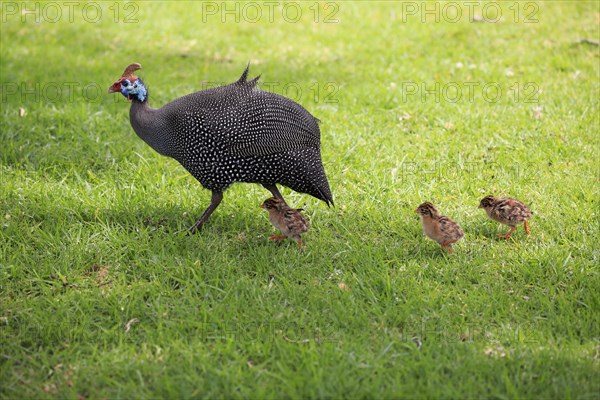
<point x="214" y="203"/>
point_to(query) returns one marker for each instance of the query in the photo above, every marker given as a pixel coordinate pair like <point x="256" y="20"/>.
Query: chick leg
<point x="214" y="203"/>
<point x="447" y="244"/>
<point x="512" y="229"/>
<point x="277" y="237"/>
<point x="526" y="226"/>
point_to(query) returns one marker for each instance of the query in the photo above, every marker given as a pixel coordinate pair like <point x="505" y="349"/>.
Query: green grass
<point x="92" y="220"/>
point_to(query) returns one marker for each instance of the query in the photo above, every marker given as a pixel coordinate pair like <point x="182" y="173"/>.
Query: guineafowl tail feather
<point x="325" y="195"/>
<point x="244" y="78"/>
<point x="319" y="188"/>
<point x="329" y="203"/>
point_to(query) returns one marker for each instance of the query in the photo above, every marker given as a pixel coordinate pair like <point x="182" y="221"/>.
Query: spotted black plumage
<point x="233" y="133"/>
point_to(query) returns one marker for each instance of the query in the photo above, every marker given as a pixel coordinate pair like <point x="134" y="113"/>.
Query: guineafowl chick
<point x="507" y="211"/>
<point x="438" y="227"/>
<point x="288" y="220"/>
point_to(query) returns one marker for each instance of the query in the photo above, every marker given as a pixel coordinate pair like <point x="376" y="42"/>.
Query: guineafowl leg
<point x="214" y="203"/>
<point x="273" y="189"/>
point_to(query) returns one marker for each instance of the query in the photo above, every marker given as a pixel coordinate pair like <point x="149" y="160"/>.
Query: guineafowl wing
<point x="267" y="123"/>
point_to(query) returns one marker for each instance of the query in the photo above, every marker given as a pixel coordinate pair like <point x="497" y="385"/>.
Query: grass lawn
<point x="103" y="295"/>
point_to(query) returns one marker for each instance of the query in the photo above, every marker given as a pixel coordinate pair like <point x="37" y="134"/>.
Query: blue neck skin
<point x="136" y="90"/>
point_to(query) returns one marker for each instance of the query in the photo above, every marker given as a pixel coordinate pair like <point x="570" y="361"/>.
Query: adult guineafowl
<point x="232" y="133"/>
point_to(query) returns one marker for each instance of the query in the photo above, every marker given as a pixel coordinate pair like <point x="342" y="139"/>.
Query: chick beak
<point x="417" y="211"/>
<point x="262" y="206"/>
<point x="480" y="206"/>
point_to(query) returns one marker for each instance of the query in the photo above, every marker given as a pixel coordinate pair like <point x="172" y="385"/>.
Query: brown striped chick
<point x="438" y="227"/>
<point x="288" y="220"/>
<point x="507" y="211"/>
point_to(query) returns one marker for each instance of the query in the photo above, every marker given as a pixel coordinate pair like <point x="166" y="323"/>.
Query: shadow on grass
<point x="170" y="219"/>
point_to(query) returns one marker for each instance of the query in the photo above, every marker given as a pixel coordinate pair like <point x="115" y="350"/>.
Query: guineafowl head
<point x="129" y="85"/>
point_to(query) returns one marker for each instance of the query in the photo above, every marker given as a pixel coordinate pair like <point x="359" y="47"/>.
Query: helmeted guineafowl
<point x="232" y="133"/>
